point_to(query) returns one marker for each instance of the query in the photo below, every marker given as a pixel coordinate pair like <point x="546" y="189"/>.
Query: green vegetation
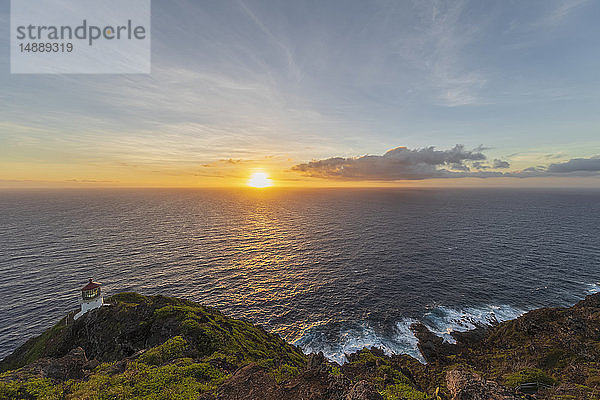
<point x="31" y="389"/>
<point x="181" y="380"/>
<point x="128" y="298"/>
<point x="386" y="372"/>
<point x="169" y="350"/>
<point x="529" y="375"/>
<point x="210" y="332"/>
<point x="402" y="391"/>
<point x="391" y="382"/>
<point x="285" y="373"/>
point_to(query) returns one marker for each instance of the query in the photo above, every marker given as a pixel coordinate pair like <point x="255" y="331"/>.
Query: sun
<point x="260" y="180"/>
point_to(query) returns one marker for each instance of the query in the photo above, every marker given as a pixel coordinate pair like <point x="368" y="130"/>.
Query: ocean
<point x="331" y="270"/>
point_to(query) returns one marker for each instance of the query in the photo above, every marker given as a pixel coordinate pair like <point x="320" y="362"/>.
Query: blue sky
<point x="241" y="85"/>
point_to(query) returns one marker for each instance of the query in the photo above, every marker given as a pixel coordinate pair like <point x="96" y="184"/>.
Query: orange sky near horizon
<point x="235" y="173"/>
<point x="123" y="178"/>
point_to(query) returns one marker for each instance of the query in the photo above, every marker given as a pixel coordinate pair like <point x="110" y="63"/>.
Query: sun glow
<point x="260" y="180"/>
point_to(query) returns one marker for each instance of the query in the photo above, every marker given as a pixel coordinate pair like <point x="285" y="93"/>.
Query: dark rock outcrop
<point x="74" y="365"/>
<point x="433" y="347"/>
<point x="363" y="391"/>
<point x="253" y="382"/>
<point x="250" y="382"/>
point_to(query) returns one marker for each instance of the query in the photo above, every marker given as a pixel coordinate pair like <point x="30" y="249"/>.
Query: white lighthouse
<point x="91" y="297"/>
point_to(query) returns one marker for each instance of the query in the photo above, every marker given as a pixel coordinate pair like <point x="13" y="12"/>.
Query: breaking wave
<point x="443" y="321"/>
<point x="593" y="288"/>
<point x="341" y="341"/>
<point x="335" y="343"/>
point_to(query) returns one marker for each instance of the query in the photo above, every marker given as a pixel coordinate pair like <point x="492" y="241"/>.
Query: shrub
<point x="402" y="391"/>
<point x="181" y="381"/>
<point x="397" y="376"/>
<point x="128" y="298"/>
<point x="169" y="350"/>
<point x="285" y="373"/>
<point x="37" y="388"/>
<point x="529" y="375"/>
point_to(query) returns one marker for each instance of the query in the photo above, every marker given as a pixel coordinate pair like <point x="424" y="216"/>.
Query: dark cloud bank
<point x="402" y="163"/>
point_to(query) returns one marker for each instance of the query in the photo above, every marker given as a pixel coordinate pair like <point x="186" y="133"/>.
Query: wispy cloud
<point x="437" y="48"/>
<point x="291" y="63"/>
<point x="557" y="14"/>
<point x="455" y="82"/>
<point x="551" y="16"/>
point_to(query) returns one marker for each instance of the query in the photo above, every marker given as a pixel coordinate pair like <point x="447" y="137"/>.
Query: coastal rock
<point x="70" y="366"/>
<point x="253" y="382"/>
<point x="466" y="385"/>
<point x="363" y="391"/>
<point x="473" y="336"/>
<point x="74" y="365"/>
<point x="316" y="364"/>
<point x="316" y="381"/>
<point x="250" y="382"/>
<point x="433" y="347"/>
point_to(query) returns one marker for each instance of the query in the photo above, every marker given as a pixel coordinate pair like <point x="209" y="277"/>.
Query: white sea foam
<point x="408" y="339"/>
<point x="401" y="340"/>
<point x="444" y="320"/>
<point x="593" y="288"/>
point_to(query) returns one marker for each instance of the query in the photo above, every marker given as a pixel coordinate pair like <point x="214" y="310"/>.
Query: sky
<point x="322" y="93"/>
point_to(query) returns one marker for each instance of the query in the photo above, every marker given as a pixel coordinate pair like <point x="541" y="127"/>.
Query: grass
<point x="528" y="375"/>
<point x="402" y="391"/>
<point x="285" y="373"/>
<point x="169" y="350"/>
<point x="182" y="379"/>
<point x="43" y="389"/>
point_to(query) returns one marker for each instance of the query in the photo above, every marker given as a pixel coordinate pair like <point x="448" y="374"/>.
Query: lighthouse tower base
<point x="89" y="305"/>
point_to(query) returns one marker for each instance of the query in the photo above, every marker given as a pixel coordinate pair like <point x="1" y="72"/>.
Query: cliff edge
<point x="156" y="347"/>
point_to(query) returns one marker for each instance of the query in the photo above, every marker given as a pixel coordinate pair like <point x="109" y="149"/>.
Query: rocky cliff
<point x="166" y="348"/>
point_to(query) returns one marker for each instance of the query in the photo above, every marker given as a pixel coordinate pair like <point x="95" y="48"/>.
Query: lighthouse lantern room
<point x="91" y="297"/>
